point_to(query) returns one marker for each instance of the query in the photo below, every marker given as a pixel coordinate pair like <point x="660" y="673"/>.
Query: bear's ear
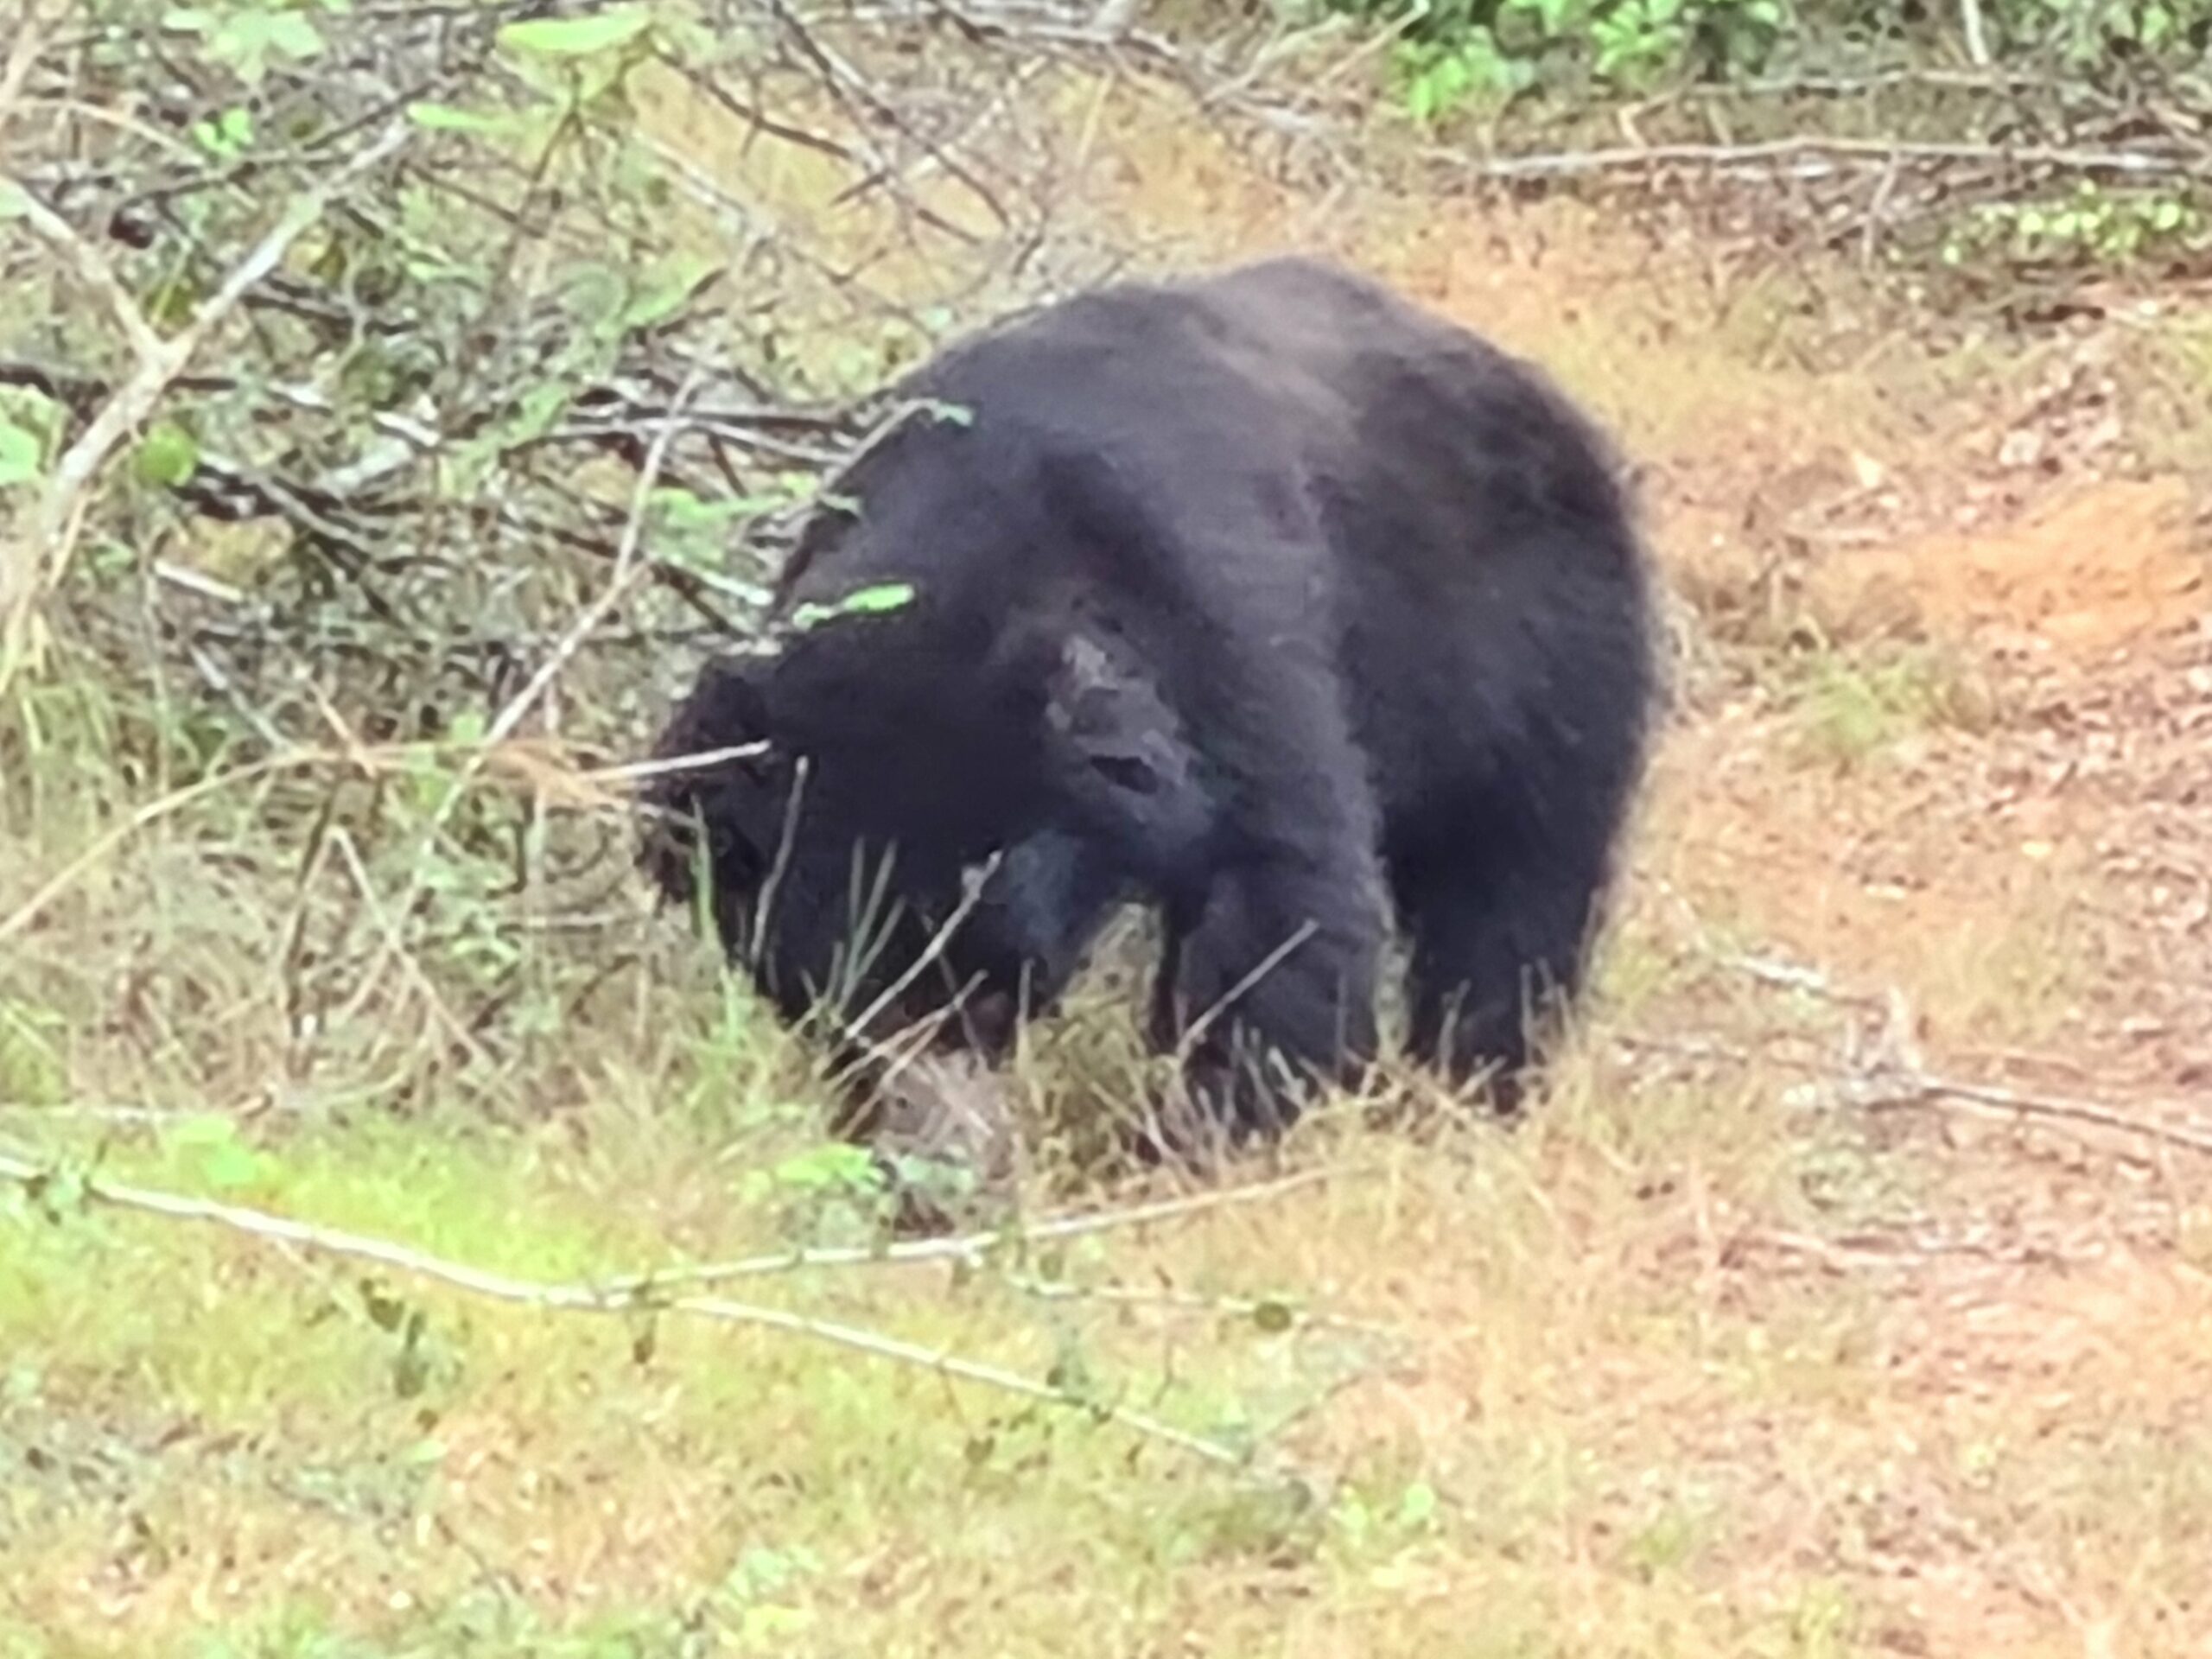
<point x="1121" y="745"/>
<point x="727" y="707"/>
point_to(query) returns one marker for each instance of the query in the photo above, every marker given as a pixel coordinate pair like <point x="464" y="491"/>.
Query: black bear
<point x="1263" y="598"/>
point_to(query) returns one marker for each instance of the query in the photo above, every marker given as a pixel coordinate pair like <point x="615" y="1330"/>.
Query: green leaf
<point x="1417" y="1506"/>
<point x="224" y="1159"/>
<point x="444" y="117"/>
<point x="665" y="290"/>
<point x="684" y="510"/>
<point x="291" y="34"/>
<point x="232" y="1165"/>
<point x="878" y="600"/>
<point x="889" y="596"/>
<point x="14" y="200"/>
<point x="245" y="41"/>
<point x="168" y="454"/>
<point x="828" y="1168"/>
<point x="203" y="1129"/>
<point x="227" y="134"/>
<point x="572" y="37"/>
<point x="19" y="456"/>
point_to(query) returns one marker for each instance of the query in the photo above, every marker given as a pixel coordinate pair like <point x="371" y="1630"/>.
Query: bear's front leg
<point x="1270" y="989"/>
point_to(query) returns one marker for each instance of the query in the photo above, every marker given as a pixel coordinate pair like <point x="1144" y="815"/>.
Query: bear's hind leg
<point x="1500" y="936"/>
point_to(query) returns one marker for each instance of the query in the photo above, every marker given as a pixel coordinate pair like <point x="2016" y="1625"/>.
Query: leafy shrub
<point x="1460" y="54"/>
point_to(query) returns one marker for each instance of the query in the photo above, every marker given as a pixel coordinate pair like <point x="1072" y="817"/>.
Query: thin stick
<point x="1809" y="146"/>
<point x="144" y="817"/>
<point x="94" y="273"/>
<point x="973" y="1247"/>
<point x="938" y="941"/>
<point x="30" y="41"/>
<point x="587" y="1298"/>
<point x="631" y="771"/>
<point x="1920" y="1089"/>
<point x="1268" y="964"/>
<point x="1977" y="35"/>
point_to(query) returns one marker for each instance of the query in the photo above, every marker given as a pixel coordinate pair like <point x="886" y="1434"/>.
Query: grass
<point x="1700" y="1359"/>
<point x="739" y="1475"/>
<point x="1570" y="1401"/>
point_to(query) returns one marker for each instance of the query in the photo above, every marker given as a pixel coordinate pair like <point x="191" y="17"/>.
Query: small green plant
<point x="2091" y="226"/>
<point x="29" y="422"/>
<point x="1441" y="78"/>
<point x="226" y="1162"/>
<point x="1850" y="707"/>
<point x="757" y="1596"/>
<point x="1461" y="54"/>
<point x="2084" y="34"/>
<point x="830" y="1193"/>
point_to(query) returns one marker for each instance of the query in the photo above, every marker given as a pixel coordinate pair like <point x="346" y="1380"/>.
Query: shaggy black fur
<point x="1265" y="599"/>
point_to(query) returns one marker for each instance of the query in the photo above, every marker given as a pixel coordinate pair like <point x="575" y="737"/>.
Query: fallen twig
<point x="637" y="1293"/>
<point x="973" y="1247"/>
<point x="1892" y="1076"/>
<point x="1901" y="1091"/>
<point x="1831" y="153"/>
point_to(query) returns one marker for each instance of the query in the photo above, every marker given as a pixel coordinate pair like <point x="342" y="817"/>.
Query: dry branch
<point x="359" y="758"/>
<point x="975" y="1249"/>
<point x="1818" y="154"/>
<point x="1904" y="1089"/>
<point x="1893" y="1078"/>
<point x="634" y="1293"/>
